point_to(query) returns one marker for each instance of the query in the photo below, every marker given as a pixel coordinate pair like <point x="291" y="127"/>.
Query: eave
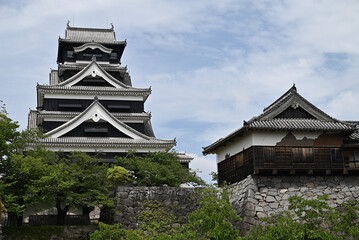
<point x="90" y="91"/>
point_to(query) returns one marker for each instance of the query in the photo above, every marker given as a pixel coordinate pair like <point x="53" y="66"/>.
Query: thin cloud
<point x="211" y="64"/>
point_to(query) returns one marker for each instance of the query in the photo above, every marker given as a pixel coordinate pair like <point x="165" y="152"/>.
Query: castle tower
<point x="90" y="104"/>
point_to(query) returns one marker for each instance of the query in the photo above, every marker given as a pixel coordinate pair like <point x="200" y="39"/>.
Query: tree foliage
<point x="73" y="180"/>
<point x="310" y="219"/>
<point x="158" y="169"/>
<point x="8" y="136"/>
<point x="117" y="175"/>
<point x="21" y="172"/>
<point x="213" y="220"/>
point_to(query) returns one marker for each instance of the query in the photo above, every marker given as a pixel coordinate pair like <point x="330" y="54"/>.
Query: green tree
<point x="117" y="175"/>
<point x="73" y="180"/>
<point x="310" y="219"/>
<point x="20" y="173"/>
<point x="213" y="220"/>
<point x="8" y="137"/>
<point x="215" y="217"/>
<point x="158" y="169"/>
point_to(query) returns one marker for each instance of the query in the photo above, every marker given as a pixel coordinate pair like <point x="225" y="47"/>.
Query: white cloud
<point x="211" y="64"/>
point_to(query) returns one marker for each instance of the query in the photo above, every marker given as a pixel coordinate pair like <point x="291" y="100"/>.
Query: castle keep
<point x="90" y="104"/>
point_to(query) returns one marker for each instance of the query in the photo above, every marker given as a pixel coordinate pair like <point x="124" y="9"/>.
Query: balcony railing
<point x="239" y="166"/>
<point x="288" y="157"/>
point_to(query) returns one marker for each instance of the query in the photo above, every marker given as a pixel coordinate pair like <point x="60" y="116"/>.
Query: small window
<point x="113" y="56"/>
<point x="119" y="108"/>
<point x="302" y="155"/>
<point x="70" y="54"/>
<point x="96" y="130"/>
<point x="354" y="159"/>
<point x="69" y="105"/>
<point x="90" y="55"/>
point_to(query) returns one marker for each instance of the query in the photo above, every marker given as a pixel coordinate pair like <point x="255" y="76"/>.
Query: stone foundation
<point x="260" y="196"/>
<point x="252" y="198"/>
<point x="130" y="200"/>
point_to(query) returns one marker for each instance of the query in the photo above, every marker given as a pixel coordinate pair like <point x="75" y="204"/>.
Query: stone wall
<point x="260" y="196"/>
<point x="252" y="198"/>
<point x="131" y="199"/>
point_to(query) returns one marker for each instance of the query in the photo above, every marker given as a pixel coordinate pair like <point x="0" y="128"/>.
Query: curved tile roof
<point x="75" y="34"/>
<point x="93" y="90"/>
<point x="299" y="124"/>
<point x="106" y="141"/>
<point x="267" y="120"/>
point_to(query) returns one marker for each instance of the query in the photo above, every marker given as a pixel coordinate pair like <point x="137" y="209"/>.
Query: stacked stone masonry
<point x="130" y="200"/>
<point x="260" y="196"/>
<point x="252" y="198"/>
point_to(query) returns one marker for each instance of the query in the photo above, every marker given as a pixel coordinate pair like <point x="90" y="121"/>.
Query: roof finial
<point x="294" y="88"/>
<point x="112" y="27"/>
<point x="68" y="23"/>
<point x="95" y="98"/>
<point x="93" y="58"/>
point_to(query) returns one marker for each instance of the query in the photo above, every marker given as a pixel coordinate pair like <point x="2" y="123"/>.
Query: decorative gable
<point x="290" y="112"/>
<point x="95" y="113"/>
<point x="292" y="105"/>
<point x="95" y="71"/>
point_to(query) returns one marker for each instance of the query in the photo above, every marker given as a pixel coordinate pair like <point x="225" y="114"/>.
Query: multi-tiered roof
<point x="90" y="104"/>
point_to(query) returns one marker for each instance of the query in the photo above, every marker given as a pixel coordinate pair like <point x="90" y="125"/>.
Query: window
<point x="302" y="155"/>
<point x="113" y="56"/>
<point x="69" y="105"/>
<point x="95" y="131"/>
<point x="354" y="159"/>
<point x="70" y="54"/>
<point x="269" y="155"/>
<point x="337" y="156"/>
<point x="90" y="55"/>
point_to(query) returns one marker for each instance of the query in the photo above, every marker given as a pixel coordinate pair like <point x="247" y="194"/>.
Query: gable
<point x="95" y="113"/>
<point x="95" y="129"/>
<point x="93" y="71"/>
<point x="295" y="112"/>
<point x="292" y="105"/>
<point x="93" y="82"/>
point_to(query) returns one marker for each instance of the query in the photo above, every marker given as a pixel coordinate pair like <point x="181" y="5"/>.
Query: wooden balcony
<point x="292" y="158"/>
<point x="289" y="159"/>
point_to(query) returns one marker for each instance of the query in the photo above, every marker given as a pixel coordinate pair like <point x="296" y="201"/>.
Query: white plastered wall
<point x="234" y="147"/>
<point x="259" y="138"/>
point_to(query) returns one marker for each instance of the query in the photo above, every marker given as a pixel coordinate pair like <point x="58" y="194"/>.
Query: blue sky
<point x="211" y="64"/>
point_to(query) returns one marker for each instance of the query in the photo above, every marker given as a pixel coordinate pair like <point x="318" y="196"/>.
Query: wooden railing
<point x="239" y="166"/>
<point x="236" y="167"/>
<point x="287" y="157"/>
